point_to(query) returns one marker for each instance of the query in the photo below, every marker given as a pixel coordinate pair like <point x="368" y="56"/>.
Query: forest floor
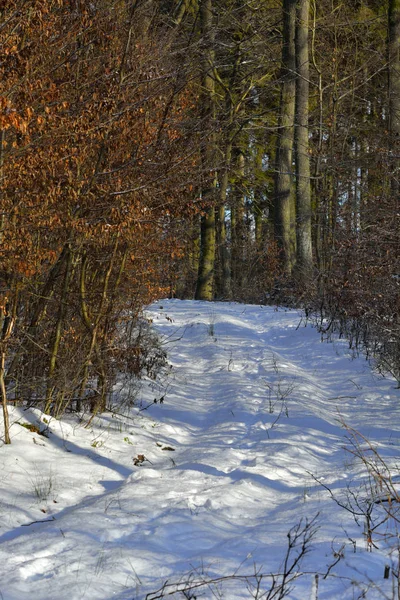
<point x="262" y="430"/>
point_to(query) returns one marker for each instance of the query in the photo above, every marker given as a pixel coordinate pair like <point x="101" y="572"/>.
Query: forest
<point x="239" y="150"/>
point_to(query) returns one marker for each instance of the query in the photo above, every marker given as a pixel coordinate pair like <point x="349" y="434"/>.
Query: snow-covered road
<point x="255" y="412"/>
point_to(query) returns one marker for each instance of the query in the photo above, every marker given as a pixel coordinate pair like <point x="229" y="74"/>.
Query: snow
<point x="255" y="422"/>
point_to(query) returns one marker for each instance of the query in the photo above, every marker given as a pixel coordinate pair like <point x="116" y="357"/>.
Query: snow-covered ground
<point x="254" y="437"/>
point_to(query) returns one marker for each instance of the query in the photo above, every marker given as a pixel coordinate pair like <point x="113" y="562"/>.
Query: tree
<point x="394" y="91"/>
<point x="92" y="200"/>
<point x="304" y="264"/>
<point x="284" y="197"/>
<point x="205" y="281"/>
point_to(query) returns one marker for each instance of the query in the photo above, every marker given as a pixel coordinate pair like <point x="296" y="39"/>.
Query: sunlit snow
<point x="205" y="486"/>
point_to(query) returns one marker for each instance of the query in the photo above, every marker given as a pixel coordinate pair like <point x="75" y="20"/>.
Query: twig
<point x="34" y="522"/>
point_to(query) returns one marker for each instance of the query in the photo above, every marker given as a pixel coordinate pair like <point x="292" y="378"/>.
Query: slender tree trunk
<point x="205" y="279"/>
<point x="224" y="279"/>
<point x="7" y="319"/>
<point x="303" y="189"/>
<point x="93" y="326"/>
<point x="6" y="419"/>
<point x="59" y="328"/>
<point x="194" y="253"/>
<point x="237" y="223"/>
<point x="226" y="291"/>
<point x="284" y="172"/>
<point x="394" y="93"/>
<point x="2" y="214"/>
<point x="317" y="187"/>
<point x="258" y="201"/>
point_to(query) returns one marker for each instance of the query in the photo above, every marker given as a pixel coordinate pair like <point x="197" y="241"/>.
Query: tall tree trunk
<point x="237" y="223"/>
<point x="205" y="279"/>
<point x="6" y="419"/>
<point x="394" y="93"/>
<point x="303" y="189"/>
<point x="258" y="204"/>
<point x="318" y="134"/>
<point x="223" y="285"/>
<point x="7" y="438"/>
<point x="284" y="176"/>
<point x="2" y="215"/>
<point x="7" y="319"/>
